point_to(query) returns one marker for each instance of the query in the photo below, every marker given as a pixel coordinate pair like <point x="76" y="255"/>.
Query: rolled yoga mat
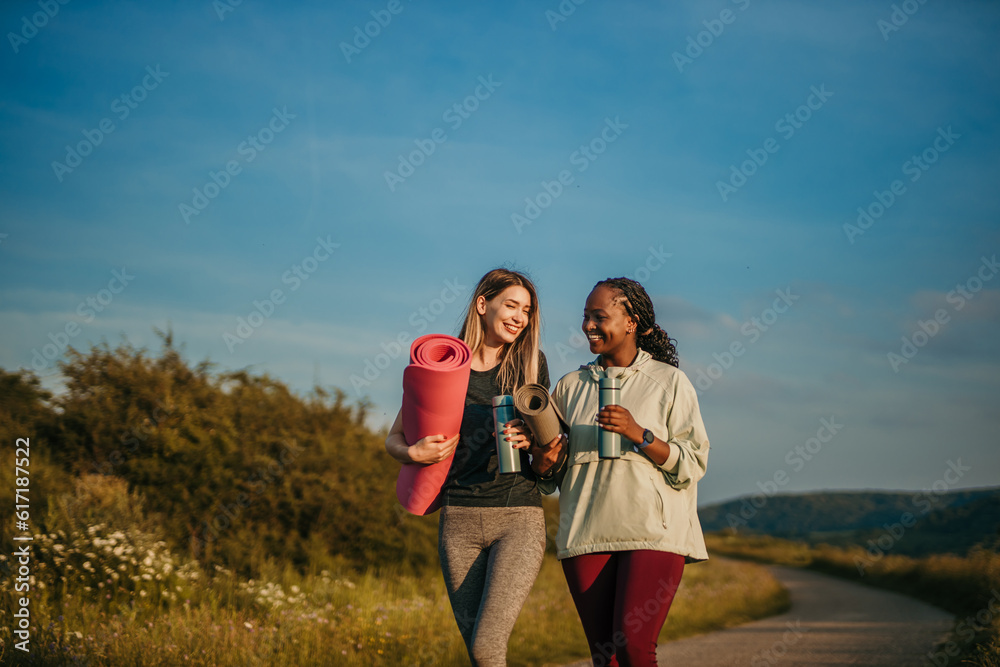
<point x="434" y="388"/>
<point x="539" y="412"/>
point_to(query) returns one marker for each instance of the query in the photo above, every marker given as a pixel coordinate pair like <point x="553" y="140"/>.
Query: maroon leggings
<point x="623" y="598"/>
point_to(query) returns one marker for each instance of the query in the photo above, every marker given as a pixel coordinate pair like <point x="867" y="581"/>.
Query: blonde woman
<point x="492" y="530"/>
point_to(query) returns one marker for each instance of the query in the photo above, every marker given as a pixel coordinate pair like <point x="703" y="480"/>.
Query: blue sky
<point x="833" y="99"/>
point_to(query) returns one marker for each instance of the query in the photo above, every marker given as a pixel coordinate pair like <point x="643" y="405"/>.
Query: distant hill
<point x="931" y="523"/>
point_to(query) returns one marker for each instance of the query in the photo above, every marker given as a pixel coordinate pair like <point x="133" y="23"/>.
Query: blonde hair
<point x="518" y="360"/>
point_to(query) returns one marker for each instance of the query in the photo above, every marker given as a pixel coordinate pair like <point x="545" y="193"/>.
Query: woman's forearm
<point x="396" y="445"/>
<point x="429" y="449"/>
<point x="395" y="442"/>
<point x="658" y="450"/>
<point x="545" y="459"/>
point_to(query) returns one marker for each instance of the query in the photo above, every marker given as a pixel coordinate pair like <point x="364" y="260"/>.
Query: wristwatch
<point x="647" y="439"/>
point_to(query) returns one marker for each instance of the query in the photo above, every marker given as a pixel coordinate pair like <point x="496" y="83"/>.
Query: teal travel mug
<point x="508" y="457"/>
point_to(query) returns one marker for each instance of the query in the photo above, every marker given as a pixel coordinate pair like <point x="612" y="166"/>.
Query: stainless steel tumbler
<point x="503" y="411"/>
<point x="609" y="444"/>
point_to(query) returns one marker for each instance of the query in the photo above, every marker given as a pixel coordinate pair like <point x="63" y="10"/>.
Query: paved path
<point x="831" y="622"/>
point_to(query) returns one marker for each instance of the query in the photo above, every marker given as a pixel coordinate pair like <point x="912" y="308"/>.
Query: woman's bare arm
<point x="427" y="450"/>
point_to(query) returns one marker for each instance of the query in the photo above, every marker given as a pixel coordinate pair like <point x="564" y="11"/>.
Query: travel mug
<point x="508" y="457"/>
<point x="609" y="444"/>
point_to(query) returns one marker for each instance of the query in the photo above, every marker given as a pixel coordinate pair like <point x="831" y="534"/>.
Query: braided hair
<point x="649" y="335"/>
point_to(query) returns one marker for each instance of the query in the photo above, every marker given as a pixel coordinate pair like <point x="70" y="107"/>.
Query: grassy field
<point x="107" y="597"/>
<point x="183" y="517"/>
<point x="967" y="586"/>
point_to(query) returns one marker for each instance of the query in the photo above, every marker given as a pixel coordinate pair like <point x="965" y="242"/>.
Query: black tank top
<point x="474" y="479"/>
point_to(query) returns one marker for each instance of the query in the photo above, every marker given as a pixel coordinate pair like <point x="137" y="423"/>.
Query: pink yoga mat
<point x="434" y="388"/>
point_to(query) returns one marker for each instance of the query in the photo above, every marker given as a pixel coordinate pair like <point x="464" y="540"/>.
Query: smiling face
<point x="606" y="325"/>
<point x="504" y="316"/>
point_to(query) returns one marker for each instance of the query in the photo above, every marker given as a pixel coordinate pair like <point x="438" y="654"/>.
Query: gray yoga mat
<point x="539" y="412"/>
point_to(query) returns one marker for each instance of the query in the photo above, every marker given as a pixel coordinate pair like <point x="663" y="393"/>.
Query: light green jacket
<point x="631" y="503"/>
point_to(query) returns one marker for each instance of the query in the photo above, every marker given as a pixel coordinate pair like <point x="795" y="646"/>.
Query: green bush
<point x="235" y="469"/>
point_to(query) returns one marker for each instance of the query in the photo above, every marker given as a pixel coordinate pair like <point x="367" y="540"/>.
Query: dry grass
<point x="158" y="611"/>
<point x="968" y="586"/>
<point x="105" y="589"/>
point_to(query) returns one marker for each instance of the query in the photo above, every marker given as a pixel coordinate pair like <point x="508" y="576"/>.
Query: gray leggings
<point x="490" y="557"/>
